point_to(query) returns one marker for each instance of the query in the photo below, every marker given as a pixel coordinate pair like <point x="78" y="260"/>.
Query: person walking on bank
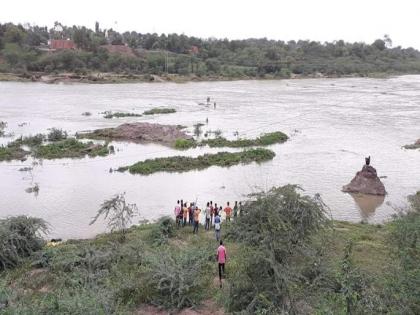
<point x="228" y="211"/>
<point x="217" y="226"/>
<point x="196" y="219"/>
<point x="207" y="213"/>
<point x="221" y="259"/>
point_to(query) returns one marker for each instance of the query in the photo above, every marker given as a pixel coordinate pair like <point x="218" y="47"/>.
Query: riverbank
<point x="114" y="78"/>
<point x="163" y="269"/>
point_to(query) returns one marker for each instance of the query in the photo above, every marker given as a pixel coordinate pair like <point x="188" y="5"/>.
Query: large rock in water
<point x="366" y="181"/>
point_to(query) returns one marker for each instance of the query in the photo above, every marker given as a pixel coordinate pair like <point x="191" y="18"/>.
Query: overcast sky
<point x="321" y="20"/>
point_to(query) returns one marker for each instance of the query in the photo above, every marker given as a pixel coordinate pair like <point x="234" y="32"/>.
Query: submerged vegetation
<point x="221" y="142"/>
<point x="12" y="151"/>
<point x="285" y="256"/>
<point x="55" y="145"/>
<point x="186" y="163"/>
<point x="70" y="148"/>
<point x="159" y="110"/>
<point x="110" y="115"/>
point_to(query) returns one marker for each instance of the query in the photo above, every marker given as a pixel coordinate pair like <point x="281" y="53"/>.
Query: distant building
<point x="194" y="50"/>
<point x="62" y="44"/>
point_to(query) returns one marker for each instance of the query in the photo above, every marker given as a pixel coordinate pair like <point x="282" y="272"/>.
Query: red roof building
<point x="62" y="44"/>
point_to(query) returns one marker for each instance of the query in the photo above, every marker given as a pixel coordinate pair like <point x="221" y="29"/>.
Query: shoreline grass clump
<point x="160" y="110"/>
<point x="186" y="163"/>
<point x="110" y="115"/>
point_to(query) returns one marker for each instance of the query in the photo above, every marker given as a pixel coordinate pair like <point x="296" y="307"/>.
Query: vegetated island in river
<point x="221" y="142"/>
<point x="40" y="54"/>
<point x="186" y="163"/>
<point x="55" y="145"/>
<point x="153" y="111"/>
<point x="175" y="136"/>
<point x="284" y="256"/>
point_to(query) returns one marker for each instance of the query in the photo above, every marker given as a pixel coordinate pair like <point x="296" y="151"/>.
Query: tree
<point x="118" y="212"/>
<point x="379" y="44"/>
<point x="388" y="41"/>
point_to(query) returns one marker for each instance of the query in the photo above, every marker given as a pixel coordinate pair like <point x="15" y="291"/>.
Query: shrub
<point x="19" y="238"/>
<point x="177" y="278"/>
<point x="56" y="134"/>
<point x="118" y="212"/>
<point x="162" y="231"/>
<point x="277" y="228"/>
<point x="183" y="144"/>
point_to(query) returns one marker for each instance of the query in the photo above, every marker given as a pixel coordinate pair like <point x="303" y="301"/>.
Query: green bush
<point x="176" y="279"/>
<point x="277" y="228"/>
<point x="56" y="134"/>
<point x="162" y="231"/>
<point x="19" y="238"/>
<point x="184" y="144"/>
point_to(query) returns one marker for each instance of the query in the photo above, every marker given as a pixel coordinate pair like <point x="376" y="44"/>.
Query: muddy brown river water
<point x="332" y="123"/>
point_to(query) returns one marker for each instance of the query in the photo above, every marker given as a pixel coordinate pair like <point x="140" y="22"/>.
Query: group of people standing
<point x="190" y="214"/>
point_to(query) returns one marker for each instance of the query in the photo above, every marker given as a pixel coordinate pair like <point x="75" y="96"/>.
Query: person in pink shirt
<point x="221" y="259"/>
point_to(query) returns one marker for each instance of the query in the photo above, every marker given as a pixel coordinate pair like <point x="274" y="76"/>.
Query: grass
<point x="110" y="115"/>
<point x="184" y="144"/>
<point x="12" y="152"/>
<point x="70" y="148"/>
<point x="160" y="110"/>
<point x="185" y="163"/>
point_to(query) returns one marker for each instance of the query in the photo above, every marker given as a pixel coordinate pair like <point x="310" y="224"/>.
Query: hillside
<point x="26" y="53"/>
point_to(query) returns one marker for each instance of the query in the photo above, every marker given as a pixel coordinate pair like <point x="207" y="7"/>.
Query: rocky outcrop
<point x="366" y="181"/>
<point x="414" y="146"/>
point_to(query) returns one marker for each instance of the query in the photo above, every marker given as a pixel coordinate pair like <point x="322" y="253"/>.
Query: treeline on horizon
<point x="21" y="52"/>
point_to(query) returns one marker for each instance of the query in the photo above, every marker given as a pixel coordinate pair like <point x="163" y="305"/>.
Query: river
<point x="332" y="123"/>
